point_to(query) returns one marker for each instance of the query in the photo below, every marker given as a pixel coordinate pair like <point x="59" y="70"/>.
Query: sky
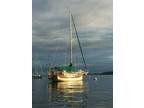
<point x="94" y="23"/>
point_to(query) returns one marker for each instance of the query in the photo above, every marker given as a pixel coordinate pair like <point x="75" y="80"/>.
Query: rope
<point x="79" y="43"/>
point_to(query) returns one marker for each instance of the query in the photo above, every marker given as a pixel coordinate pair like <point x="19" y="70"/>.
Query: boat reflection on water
<point x="68" y="94"/>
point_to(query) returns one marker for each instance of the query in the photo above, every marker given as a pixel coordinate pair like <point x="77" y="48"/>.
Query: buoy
<point x="95" y="78"/>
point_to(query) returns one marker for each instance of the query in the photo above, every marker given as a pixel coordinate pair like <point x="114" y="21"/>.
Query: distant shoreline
<point x="102" y="73"/>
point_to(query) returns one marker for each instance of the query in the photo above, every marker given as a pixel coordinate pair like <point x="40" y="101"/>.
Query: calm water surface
<point x="81" y="94"/>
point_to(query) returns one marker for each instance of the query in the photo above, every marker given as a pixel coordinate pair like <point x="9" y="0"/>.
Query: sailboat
<point x="37" y="70"/>
<point x="67" y="73"/>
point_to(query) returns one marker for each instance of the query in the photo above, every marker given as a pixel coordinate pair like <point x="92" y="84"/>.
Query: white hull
<point x="69" y="79"/>
<point x="66" y="76"/>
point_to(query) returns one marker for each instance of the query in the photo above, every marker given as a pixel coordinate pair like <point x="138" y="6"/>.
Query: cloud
<point x="93" y="19"/>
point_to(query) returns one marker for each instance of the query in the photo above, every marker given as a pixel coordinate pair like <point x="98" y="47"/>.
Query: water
<point x="89" y="93"/>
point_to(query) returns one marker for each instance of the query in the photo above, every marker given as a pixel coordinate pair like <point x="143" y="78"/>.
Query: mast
<point x="70" y="20"/>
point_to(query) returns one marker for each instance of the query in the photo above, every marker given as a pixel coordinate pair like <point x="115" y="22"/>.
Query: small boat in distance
<point x="36" y="76"/>
<point x="67" y="72"/>
<point x="37" y="70"/>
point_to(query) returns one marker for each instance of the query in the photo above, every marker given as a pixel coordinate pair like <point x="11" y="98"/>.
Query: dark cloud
<point x="93" y="19"/>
